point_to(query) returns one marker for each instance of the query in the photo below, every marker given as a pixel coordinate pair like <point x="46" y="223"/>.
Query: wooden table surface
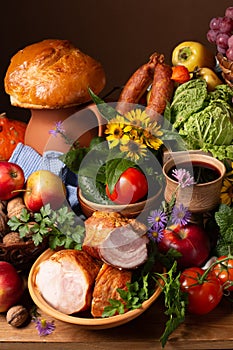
<point x="211" y="331"/>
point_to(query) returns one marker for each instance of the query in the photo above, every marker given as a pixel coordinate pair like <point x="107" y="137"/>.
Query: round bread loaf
<point x="52" y="74"/>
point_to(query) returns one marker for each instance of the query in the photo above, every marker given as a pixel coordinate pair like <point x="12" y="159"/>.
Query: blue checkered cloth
<point x="30" y="160"/>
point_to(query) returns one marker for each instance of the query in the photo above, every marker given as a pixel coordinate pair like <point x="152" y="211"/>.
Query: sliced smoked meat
<point x="66" y="280"/>
<point x="115" y="239"/>
<point x="108" y="280"/>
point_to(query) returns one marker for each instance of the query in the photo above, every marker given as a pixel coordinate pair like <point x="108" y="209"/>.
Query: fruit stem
<point x="22" y="190"/>
<point x="205" y="274"/>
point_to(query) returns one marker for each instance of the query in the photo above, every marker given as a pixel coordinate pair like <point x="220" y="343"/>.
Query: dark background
<point x="120" y="34"/>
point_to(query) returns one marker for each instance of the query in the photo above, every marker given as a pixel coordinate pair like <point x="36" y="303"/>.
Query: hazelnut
<point x="11" y="238"/>
<point x="17" y="316"/>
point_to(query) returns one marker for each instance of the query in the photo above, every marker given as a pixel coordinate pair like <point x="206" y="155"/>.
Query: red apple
<point x="11" y="179"/>
<point x="190" y="240"/>
<point x="43" y="187"/>
<point x="11" y="286"/>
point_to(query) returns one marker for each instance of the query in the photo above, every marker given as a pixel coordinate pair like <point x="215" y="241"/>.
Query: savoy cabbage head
<point x="206" y="124"/>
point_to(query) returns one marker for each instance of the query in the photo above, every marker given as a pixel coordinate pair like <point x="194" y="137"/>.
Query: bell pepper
<point x="192" y="54"/>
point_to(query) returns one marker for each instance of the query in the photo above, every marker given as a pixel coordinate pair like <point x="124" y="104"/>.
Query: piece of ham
<point x="116" y="240"/>
<point x="66" y="280"/>
<point x="108" y="280"/>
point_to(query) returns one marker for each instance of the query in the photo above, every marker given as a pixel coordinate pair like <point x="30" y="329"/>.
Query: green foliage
<point x="104" y="108"/>
<point x="114" y="169"/>
<point x="224" y="220"/>
<point x="132" y="298"/>
<point x="59" y="227"/>
<point x="175" y="302"/>
<point x="203" y="119"/>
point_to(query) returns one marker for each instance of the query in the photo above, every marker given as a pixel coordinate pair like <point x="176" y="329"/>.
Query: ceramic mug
<point x="201" y="197"/>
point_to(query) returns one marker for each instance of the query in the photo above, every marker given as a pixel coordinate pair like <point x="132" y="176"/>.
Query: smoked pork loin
<point x="116" y="240"/>
<point x="107" y="281"/>
<point x="66" y="280"/>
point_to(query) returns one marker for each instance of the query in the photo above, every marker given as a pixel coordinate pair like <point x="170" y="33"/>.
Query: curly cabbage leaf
<point x="211" y="130"/>
<point x="189" y="98"/>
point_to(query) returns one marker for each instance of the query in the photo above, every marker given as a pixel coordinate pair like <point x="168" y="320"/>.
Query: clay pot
<point x="79" y="123"/>
<point x="139" y="209"/>
<point x="198" y="198"/>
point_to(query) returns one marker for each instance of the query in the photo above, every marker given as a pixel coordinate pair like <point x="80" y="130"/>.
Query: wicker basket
<point x="22" y="255"/>
<point x="227" y="69"/>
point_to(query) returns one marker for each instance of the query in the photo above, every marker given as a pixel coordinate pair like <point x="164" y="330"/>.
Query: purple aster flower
<point x="155" y="233"/>
<point x="180" y="215"/>
<point x="157" y="217"/>
<point x="44" y="327"/>
<point x="57" y="130"/>
<point x="183" y="177"/>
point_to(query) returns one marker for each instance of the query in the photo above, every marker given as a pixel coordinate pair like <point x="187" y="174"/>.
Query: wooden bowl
<point x="85" y="322"/>
<point x="129" y="210"/>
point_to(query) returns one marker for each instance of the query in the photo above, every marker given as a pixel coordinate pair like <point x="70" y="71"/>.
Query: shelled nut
<point x="15" y="206"/>
<point x="3" y="219"/>
<point x="17" y="316"/>
<point x="11" y="238"/>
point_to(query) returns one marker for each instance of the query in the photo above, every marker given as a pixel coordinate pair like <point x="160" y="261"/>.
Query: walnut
<point x="15" y="206"/>
<point x="17" y="316"/>
<point x="3" y="220"/>
<point x="11" y="237"/>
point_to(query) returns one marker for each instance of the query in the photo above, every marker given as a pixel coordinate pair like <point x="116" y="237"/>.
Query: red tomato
<point x="224" y="272"/>
<point x="203" y="294"/>
<point x="131" y="186"/>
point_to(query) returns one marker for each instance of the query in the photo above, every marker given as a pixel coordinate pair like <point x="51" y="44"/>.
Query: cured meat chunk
<point x="108" y="280"/>
<point x="115" y="239"/>
<point x="161" y="91"/>
<point x="124" y="248"/>
<point x="66" y="280"/>
<point x="137" y="84"/>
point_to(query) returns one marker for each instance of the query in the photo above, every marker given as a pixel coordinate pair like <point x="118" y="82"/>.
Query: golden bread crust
<point x="52" y="74"/>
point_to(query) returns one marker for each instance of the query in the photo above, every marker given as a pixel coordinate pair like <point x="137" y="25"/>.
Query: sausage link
<point x="137" y="84"/>
<point x="161" y="91"/>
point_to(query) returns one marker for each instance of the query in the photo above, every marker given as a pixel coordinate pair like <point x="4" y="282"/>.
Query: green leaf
<point x="105" y="109"/>
<point x="25" y="215"/>
<point x="93" y="190"/>
<point x="37" y="238"/>
<point x="59" y="225"/>
<point x="224" y="220"/>
<point x="73" y="158"/>
<point x="175" y="302"/>
<point x="14" y="223"/>
<point x="23" y="231"/>
<point x="114" y="169"/>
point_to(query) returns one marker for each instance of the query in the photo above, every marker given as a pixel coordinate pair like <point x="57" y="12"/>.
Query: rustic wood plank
<point x="211" y="331"/>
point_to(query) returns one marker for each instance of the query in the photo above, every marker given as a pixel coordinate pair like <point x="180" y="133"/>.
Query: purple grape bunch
<point x="220" y="33"/>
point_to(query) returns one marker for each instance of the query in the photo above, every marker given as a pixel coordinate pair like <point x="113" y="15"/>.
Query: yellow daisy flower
<point x="153" y="142"/>
<point x="226" y="195"/>
<point x="134" y="149"/>
<point x="116" y="132"/>
<point x="137" y="118"/>
<point x="152" y="129"/>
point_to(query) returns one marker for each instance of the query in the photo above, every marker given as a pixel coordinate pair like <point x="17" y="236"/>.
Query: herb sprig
<point x="175" y="302"/>
<point x="59" y="227"/>
<point x="132" y="298"/>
